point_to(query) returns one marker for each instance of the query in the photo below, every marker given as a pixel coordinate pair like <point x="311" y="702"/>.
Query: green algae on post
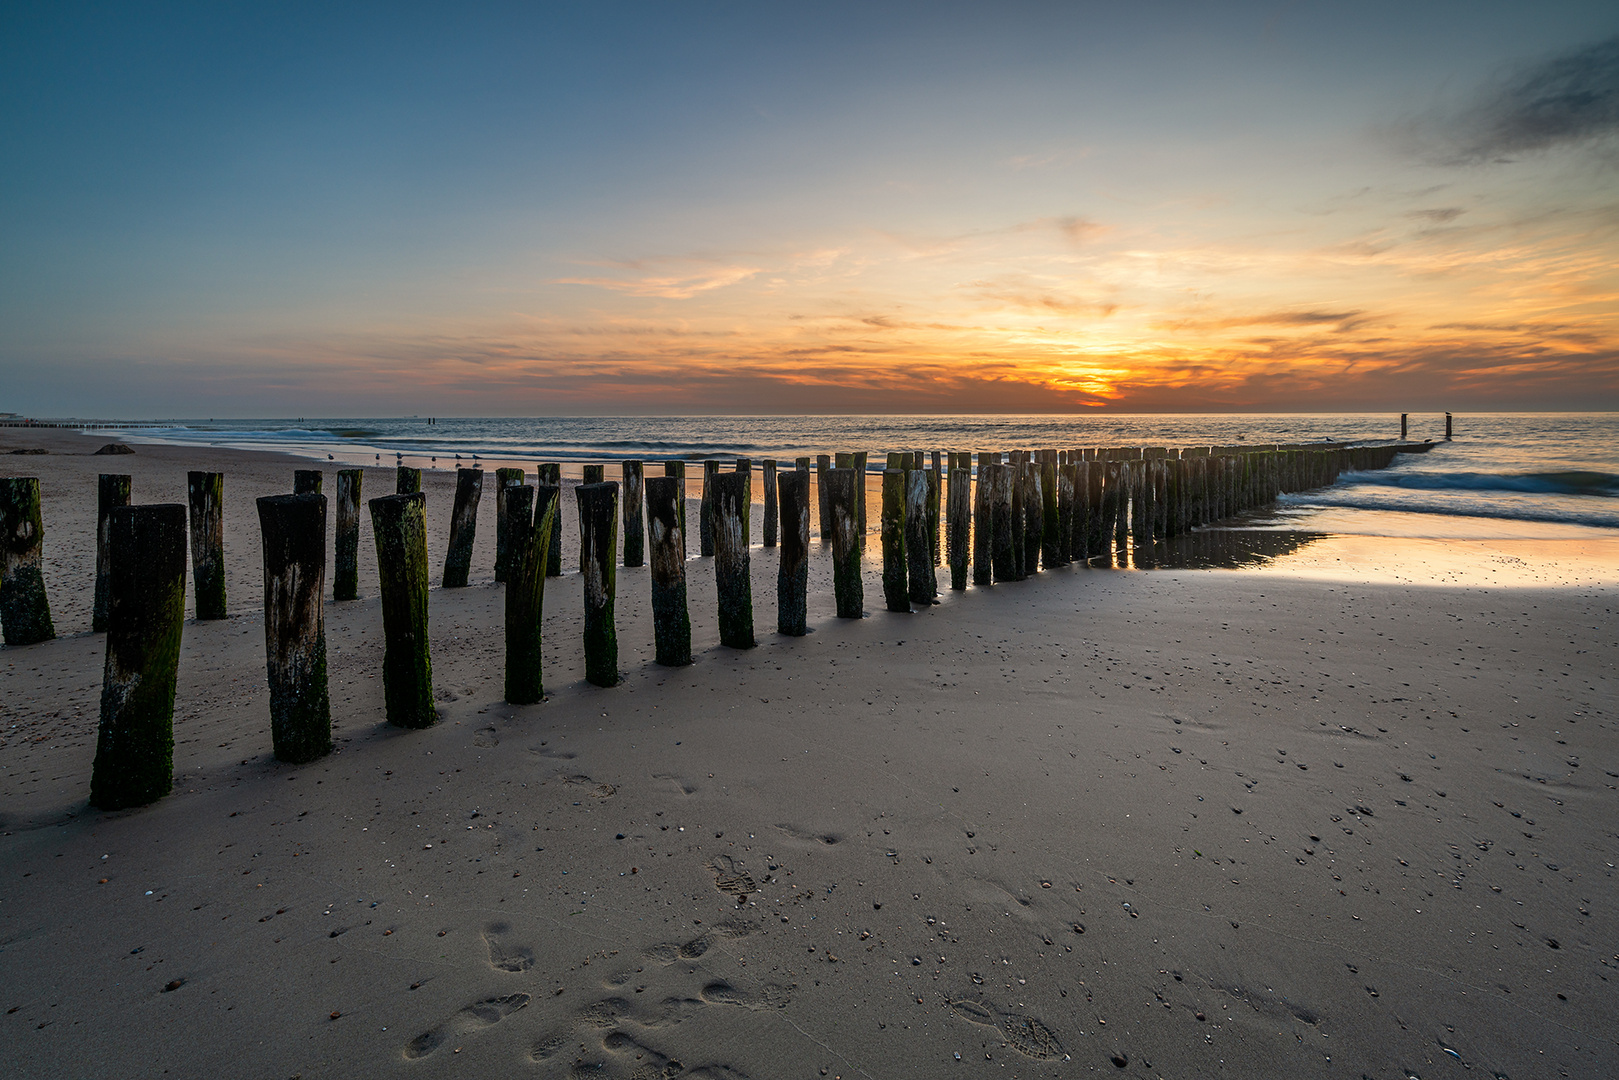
<point x="671" y="620"/>
<point x="407" y="481"/>
<point x="463" y="527"/>
<point x="896" y="595"/>
<point x="346" y="568"/>
<point x="206" y="491"/>
<point x="293" y="529"/>
<point x="399" y="523"/>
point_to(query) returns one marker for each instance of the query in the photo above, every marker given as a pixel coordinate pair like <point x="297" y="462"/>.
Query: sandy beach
<point x="1312" y="819"/>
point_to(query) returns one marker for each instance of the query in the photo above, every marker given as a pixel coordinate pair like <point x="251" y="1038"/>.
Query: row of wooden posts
<point x="1030" y="511"/>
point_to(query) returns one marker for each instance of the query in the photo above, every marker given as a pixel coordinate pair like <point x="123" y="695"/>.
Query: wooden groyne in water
<point x="1019" y="514"/>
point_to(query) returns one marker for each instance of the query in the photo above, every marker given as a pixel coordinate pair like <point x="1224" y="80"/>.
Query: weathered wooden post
<point x="112" y="489"/>
<point x="1018" y="523"/>
<point x="677" y="469"/>
<point x="134" y="763"/>
<point x="998" y="479"/>
<point x="530" y="512"/>
<point x="505" y="480"/>
<point x="671" y="620"/>
<point x="549" y="474"/>
<point x="705" y="511"/>
<point x="346" y="565"/>
<point x="598" y="539"/>
<point x="983" y="522"/>
<point x="792" y="575"/>
<point x="935" y="518"/>
<point x="407" y="481"/>
<point x="959" y="526"/>
<point x="823" y="465"/>
<point x="293" y="528"/>
<point x="733" y="496"/>
<point x="206" y="493"/>
<point x="1052" y="548"/>
<point x="399" y="523"/>
<point x="463" y="527"/>
<point x="860" y="491"/>
<point x="1067" y="486"/>
<point x="25" y="613"/>
<point x="923" y="585"/>
<point x="634" y="527"/>
<point x="847" y="588"/>
<point x="770" y="519"/>
<point x="896" y="592"/>
<point x="307" y="481"/>
<point x="1034" y="515"/>
<point x="1447" y="427"/>
<point x="593" y="474"/>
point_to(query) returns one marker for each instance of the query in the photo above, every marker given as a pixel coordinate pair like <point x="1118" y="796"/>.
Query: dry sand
<point x="1174" y="823"/>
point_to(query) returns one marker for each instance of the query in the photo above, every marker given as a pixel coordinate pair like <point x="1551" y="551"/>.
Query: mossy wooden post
<point x="823" y="520"/>
<point x="505" y="480"/>
<point x="634" y="519"/>
<point x="671" y="620"/>
<point x="920" y="578"/>
<point x="847" y="588"/>
<point x="463" y="527"/>
<point x="792" y="573"/>
<point x="25" y="613"/>
<point x="206" y="494"/>
<point x="959" y="525"/>
<point x="598" y="538"/>
<point x="1062" y="545"/>
<point x="112" y="489"/>
<point x="407" y="481"/>
<point x="549" y="474"/>
<point x="770" y="520"/>
<point x="399" y="523"/>
<point x="134" y="763"/>
<point x="307" y="481"/>
<point x="705" y="510"/>
<point x="984" y="522"/>
<point x="593" y="474"/>
<point x="293" y="528"/>
<point x="860" y="491"/>
<point x="530" y="511"/>
<point x="896" y="590"/>
<point x="346" y="535"/>
<point x="733" y="496"/>
<point x="997" y="481"/>
<point x="677" y="469"/>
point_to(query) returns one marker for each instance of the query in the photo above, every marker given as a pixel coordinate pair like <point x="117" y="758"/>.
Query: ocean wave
<point x="1592" y="514"/>
<point x="1534" y="483"/>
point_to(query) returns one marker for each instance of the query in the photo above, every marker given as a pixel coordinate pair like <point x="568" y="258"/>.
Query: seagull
<point x="330" y="458"/>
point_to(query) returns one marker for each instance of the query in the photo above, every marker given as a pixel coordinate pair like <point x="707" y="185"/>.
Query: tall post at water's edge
<point x="671" y="621"/>
<point x="959" y="527"/>
<point x="1004" y="552"/>
<point x="634" y="519"/>
<point x="505" y="480"/>
<point x="792" y="574"/>
<point x="307" y="481"/>
<point x="847" y="589"/>
<point x="112" y="489"/>
<point x="407" y="481"/>
<point x="896" y="590"/>
<point x="983" y="522"/>
<point x="1447" y="427"/>
<point x="1404" y="419"/>
<point x="206" y="493"/>
<point x="463" y="527"/>
<point x="346" y="567"/>
<point x="677" y="469"/>
<point x="823" y="465"/>
<point x="733" y="494"/>
<point x="549" y="474"/>
<point x="399" y="524"/>
<point x="770" y="502"/>
<point x="293" y="528"/>
<point x="860" y="491"/>
<point x="134" y="763"/>
<point x="705" y="510"/>
<point x="598" y="540"/>
<point x="530" y="514"/>
<point x="922" y="585"/>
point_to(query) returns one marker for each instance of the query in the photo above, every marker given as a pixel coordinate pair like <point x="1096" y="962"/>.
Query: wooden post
<point x="1018" y="523"/>
<point x="923" y="585"/>
<point x="1034" y="515"/>
<point x="997" y="479"/>
<point x="983" y="522"/>
<point x="1067" y="485"/>
<point x="25" y="613"/>
<point x="1404" y="425"/>
<point x="896" y="594"/>
<point x="733" y="497"/>
<point x="530" y="513"/>
<point x="860" y="491"/>
<point x="134" y="763"/>
<point x="293" y="528"/>
<point x="1447" y="427"/>
<point x="505" y="480"/>
<point x="677" y="469"/>
<point x="792" y="575"/>
<point x="770" y="520"/>
<point x="598" y="540"/>
<point x="842" y="498"/>
<point x="549" y="474"/>
<point x="206" y="492"/>
<point x="399" y="523"/>
<point x="823" y="465"/>
<point x="112" y="489"/>
<point x="593" y="474"/>
<point x="705" y="512"/>
<point x="463" y="527"/>
<point x="959" y="526"/>
<point x="307" y="481"/>
<point x="935" y="518"/>
<point x="634" y="527"/>
<point x="407" y="481"/>
<point x="671" y="620"/>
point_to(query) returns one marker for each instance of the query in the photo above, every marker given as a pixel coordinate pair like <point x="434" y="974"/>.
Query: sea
<point x="1520" y="475"/>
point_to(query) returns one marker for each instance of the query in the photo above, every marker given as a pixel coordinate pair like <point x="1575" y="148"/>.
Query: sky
<point x="620" y="208"/>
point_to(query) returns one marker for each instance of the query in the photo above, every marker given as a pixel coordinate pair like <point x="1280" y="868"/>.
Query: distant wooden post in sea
<point x="206" y="493"/>
<point x="463" y="527"/>
<point x="399" y="525"/>
<point x="770" y="520"/>
<point x="705" y="522"/>
<point x="860" y="491"/>
<point x="792" y="574"/>
<point x="598" y="542"/>
<point x="593" y="474"/>
<point x="847" y="589"/>
<point x="346" y="540"/>
<point x="671" y="619"/>
<point x="1447" y="427"/>
<point x="307" y="481"/>
<point x="112" y="489"/>
<point x="407" y="481"/>
<point x="823" y="465"/>
<point x="1404" y="420"/>
<point x="293" y="533"/>
<point x="134" y="762"/>
<point x="549" y="474"/>
<point x="732" y="562"/>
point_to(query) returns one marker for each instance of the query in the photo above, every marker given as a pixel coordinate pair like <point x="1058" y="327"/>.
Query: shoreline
<point x="1203" y="822"/>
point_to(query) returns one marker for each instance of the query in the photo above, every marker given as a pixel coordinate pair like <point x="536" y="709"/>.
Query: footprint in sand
<point x="503" y="955"/>
<point x="797" y="833"/>
<point x="473" y="1018"/>
<point x="485" y="737"/>
<point x="1025" y="1034"/>
<point x="730" y="880"/>
<point x="685" y="788"/>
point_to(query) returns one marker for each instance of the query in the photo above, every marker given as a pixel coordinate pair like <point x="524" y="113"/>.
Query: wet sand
<point x="1179" y="823"/>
